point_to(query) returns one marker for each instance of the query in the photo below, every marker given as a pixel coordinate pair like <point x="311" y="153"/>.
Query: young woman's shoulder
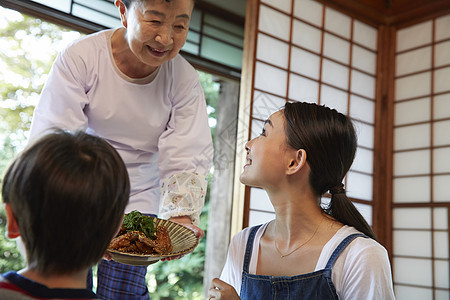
<point x="362" y="271"/>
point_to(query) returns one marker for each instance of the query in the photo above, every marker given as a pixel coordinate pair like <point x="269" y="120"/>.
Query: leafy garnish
<point x="137" y="221"/>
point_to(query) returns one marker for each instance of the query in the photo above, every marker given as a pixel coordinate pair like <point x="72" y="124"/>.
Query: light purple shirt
<point x="159" y="128"/>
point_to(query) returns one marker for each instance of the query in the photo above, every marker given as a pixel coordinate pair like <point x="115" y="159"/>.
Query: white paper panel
<point x="412" y="218"/>
<point x="308" y="10"/>
<point x="302" y="89"/>
<point x="412" y="111"/>
<point x="413" y="61"/>
<point x="441" y="295"/>
<point x="412" y="163"/>
<point x="441" y="133"/>
<point x="272" y="51"/>
<point x="441" y="160"/>
<point x="305" y="63"/>
<point x="441" y="275"/>
<point x="265" y="104"/>
<point x="306" y="36"/>
<point x="412" y="243"/>
<point x="335" y="74"/>
<point x="364" y="59"/>
<point x="366" y="211"/>
<point x="414" y="36"/>
<point x="442" y="106"/>
<point x="362" y="109"/>
<point x="274" y="23"/>
<point x="443" y="28"/>
<point x="337" y="22"/>
<point x="410" y="137"/>
<point x="257" y="217"/>
<point x="365" y="35"/>
<point x="359" y="186"/>
<point x="260" y="200"/>
<point x="63" y="5"/>
<point x="284" y="5"/>
<point x="405" y="191"/>
<point x="334" y="98"/>
<point x="412" y="293"/>
<point x="440" y="188"/>
<point x="441" y="244"/>
<point x="270" y="79"/>
<point x="413" y="86"/>
<point x="442" y="80"/>
<point x="363" y="84"/>
<point x="442" y="54"/>
<point x="440" y="218"/>
<point x="363" y="161"/>
<point x="95" y="16"/>
<point x="412" y="271"/>
<point x="257" y="127"/>
<point x="336" y="48"/>
<point x="365" y="134"/>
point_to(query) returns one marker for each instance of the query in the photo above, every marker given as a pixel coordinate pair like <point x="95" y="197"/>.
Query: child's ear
<point x="297" y="163"/>
<point x="12" y="229"/>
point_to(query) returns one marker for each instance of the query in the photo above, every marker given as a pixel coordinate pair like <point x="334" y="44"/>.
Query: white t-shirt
<point x="362" y="271"/>
<point x="158" y="124"/>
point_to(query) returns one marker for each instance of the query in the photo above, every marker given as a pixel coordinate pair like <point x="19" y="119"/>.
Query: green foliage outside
<point x="28" y="47"/>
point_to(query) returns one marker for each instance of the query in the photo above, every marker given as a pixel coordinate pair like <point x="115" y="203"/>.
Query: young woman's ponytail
<point x="343" y="210"/>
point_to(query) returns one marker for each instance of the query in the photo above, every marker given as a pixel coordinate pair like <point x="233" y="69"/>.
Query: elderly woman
<point x="131" y="87"/>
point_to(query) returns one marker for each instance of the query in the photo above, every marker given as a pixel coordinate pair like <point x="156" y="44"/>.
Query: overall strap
<point x="249" y="247"/>
<point x="341" y="248"/>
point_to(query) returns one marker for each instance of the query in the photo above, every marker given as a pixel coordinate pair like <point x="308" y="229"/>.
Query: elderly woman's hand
<point x="186" y="222"/>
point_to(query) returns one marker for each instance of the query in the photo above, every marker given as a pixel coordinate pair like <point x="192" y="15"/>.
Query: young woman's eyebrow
<point x="268" y="122"/>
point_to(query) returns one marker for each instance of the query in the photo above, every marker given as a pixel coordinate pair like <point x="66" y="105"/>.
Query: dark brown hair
<point x="68" y="192"/>
<point x="329" y="139"/>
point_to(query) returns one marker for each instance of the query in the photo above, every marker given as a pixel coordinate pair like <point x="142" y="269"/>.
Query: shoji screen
<point x="306" y="51"/>
<point x="422" y="161"/>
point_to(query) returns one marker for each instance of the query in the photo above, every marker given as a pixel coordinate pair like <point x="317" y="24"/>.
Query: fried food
<point x="138" y="243"/>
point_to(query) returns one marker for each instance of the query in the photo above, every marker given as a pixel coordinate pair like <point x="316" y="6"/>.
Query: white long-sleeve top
<point x="158" y="124"/>
<point x="362" y="271"/>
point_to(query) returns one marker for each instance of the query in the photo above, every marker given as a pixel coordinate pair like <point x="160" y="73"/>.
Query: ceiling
<point x="377" y="12"/>
<point x="391" y="12"/>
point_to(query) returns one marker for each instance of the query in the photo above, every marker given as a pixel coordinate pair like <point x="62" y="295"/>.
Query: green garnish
<point x="137" y="221"/>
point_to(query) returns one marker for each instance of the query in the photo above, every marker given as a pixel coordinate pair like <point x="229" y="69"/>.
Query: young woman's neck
<point x="296" y="211"/>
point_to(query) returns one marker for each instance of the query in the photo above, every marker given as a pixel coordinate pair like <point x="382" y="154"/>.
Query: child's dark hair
<point x="329" y="139"/>
<point x="68" y="193"/>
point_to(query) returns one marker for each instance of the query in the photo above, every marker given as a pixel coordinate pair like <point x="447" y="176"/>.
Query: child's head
<point x="327" y="136"/>
<point x="68" y="192"/>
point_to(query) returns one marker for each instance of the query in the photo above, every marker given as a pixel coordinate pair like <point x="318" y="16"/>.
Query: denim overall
<point x="310" y="286"/>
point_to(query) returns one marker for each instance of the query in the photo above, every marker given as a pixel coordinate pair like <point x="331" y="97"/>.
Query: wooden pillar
<point x="221" y="193"/>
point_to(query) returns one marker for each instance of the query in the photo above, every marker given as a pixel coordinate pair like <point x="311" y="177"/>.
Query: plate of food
<point x="144" y="240"/>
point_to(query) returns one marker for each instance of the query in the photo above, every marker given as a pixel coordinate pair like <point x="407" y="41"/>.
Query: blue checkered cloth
<point x="118" y="281"/>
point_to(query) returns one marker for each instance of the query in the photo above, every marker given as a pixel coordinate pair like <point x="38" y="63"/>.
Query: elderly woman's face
<point x="157" y="29"/>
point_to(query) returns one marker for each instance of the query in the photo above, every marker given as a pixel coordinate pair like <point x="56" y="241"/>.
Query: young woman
<point x="306" y="252"/>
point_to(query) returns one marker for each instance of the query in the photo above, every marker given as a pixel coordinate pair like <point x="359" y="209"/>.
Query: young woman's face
<point x="266" y="154"/>
<point x="156" y="29"/>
